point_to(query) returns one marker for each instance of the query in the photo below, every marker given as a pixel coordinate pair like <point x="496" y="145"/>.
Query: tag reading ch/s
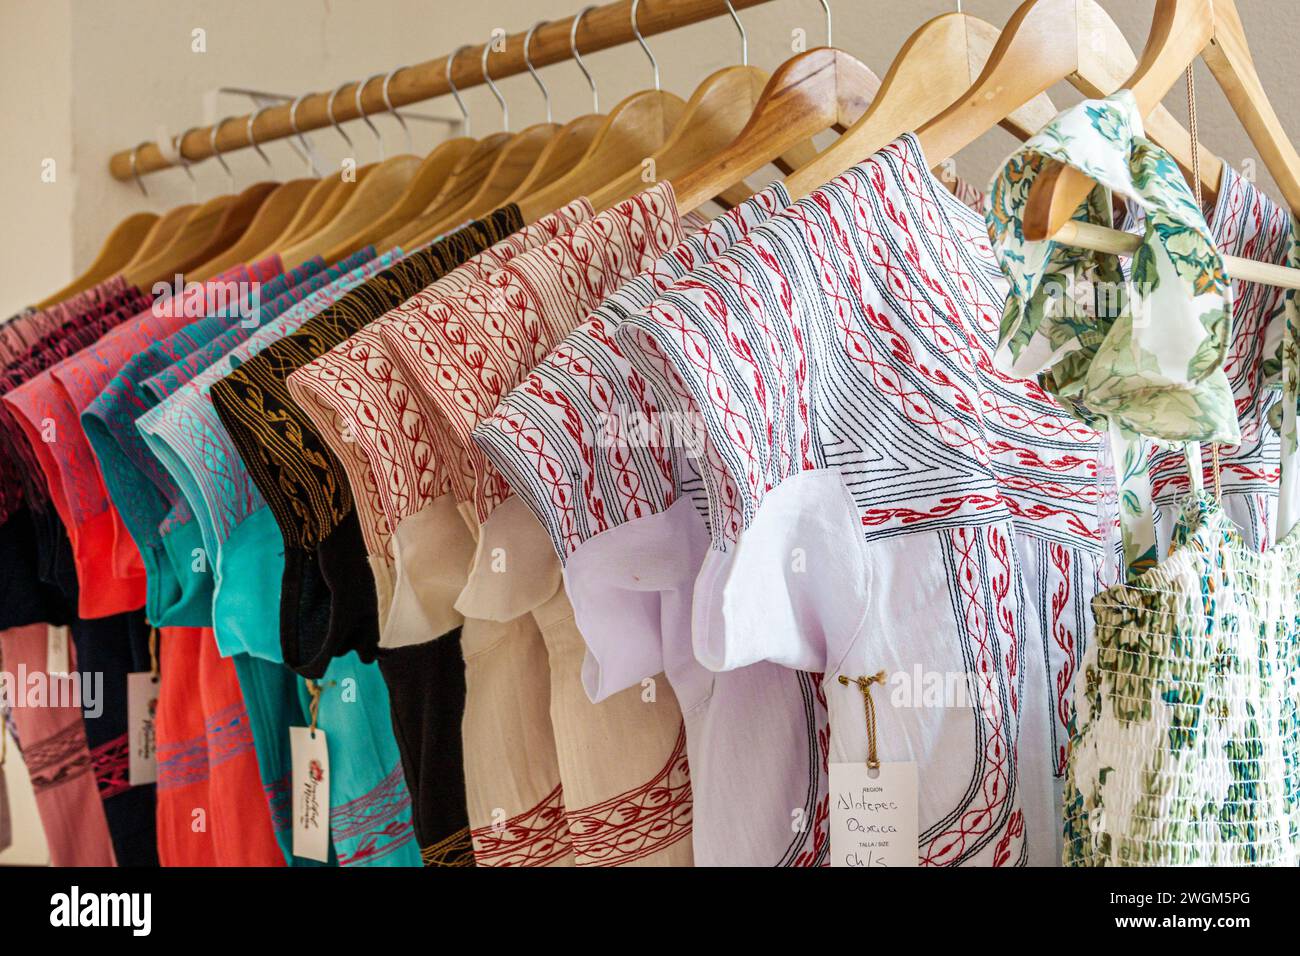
<point x="873" y="819"/>
<point x="311" y="793"/>
<point x="873" y="805"/>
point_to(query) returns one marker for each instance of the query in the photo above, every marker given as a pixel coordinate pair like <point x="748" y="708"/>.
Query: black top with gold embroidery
<point x="303" y="482"/>
<point x="328" y="604"/>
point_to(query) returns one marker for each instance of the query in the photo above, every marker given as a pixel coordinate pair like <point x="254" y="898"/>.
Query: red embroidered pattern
<point x="59" y="758"/>
<point x="359" y="399"/>
<point x="551" y="436"/>
<point x="1061" y="634"/>
<point x="637" y="823"/>
<point x="112" y="762"/>
<point x="537" y="837"/>
<point x="986" y="804"/>
<point x="818" y="854"/>
<point x="375" y="824"/>
<point x="465" y="353"/>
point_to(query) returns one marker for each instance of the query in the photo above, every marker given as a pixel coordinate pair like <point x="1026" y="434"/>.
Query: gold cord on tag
<point x="1193" y="135"/>
<point x="869" y="706"/>
<point x="153" y="651"/>
<point x="314" y="688"/>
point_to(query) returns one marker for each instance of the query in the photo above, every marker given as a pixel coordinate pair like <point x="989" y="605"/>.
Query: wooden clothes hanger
<point x="942" y="56"/>
<point x="332" y="201"/>
<point x="309" y="208"/>
<point x="1087" y="235"/>
<point x="425" y="186"/>
<point x="812" y="92"/>
<point x="330" y="193"/>
<point x="423" y="189"/>
<point x="272" y="218"/>
<point x="488" y="189"/>
<point x="715" y="115"/>
<point x="459" y="186"/>
<point x="820" y="89"/>
<point x="1044" y="42"/>
<point x="571" y="142"/>
<point x="372" y="198"/>
<point x="633" y="130"/>
<point x="213" y="226"/>
<point x="1182" y="30"/>
<point x="566" y="148"/>
<point x="169" y="227"/>
<point x="455" y="188"/>
<point x="164" y="231"/>
<point x="936" y="65"/>
<point x="134" y="238"/>
<point x="515" y="160"/>
<point x="466" y="176"/>
<point x="118" y="249"/>
<point x="369" y="201"/>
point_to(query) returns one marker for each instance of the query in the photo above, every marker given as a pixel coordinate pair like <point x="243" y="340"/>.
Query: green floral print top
<point x="1138" y="354"/>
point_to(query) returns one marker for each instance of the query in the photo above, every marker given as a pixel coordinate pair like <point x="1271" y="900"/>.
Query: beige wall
<point x="28" y="847"/>
<point x="86" y="77"/>
<point x="37" y="121"/>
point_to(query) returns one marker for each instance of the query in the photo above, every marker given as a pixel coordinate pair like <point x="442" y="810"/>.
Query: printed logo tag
<point x="141" y="718"/>
<point x="56" y="652"/>
<point x="311" y="793"/>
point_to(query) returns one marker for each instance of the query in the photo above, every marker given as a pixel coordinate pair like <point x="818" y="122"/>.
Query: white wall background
<point x="85" y="78"/>
<point x="28" y="847"/>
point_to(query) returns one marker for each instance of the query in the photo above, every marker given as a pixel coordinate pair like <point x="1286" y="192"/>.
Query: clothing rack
<point x="600" y="28"/>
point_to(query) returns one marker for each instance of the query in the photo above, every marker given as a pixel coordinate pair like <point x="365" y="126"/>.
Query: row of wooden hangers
<point x="954" y="79"/>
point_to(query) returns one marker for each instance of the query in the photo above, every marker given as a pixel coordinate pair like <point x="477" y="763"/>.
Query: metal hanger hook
<point x="827" y="7"/>
<point x="455" y="92"/>
<point x="505" y="110"/>
<point x="362" y="111"/>
<point x="410" y="146"/>
<point x="178" y="144"/>
<point x="644" y="46"/>
<point x="302" y="137"/>
<point x="212" y="141"/>
<point x="577" y="58"/>
<point x="744" y="37"/>
<point x="329" y="108"/>
<point x="528" y="62"/>
<point x="135" y="172"/>
<point x="252" y="140"/>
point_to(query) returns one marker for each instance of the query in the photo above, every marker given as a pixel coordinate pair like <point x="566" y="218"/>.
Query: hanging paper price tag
<point x="874" y="815"/>
<point x="311" y="793"/>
